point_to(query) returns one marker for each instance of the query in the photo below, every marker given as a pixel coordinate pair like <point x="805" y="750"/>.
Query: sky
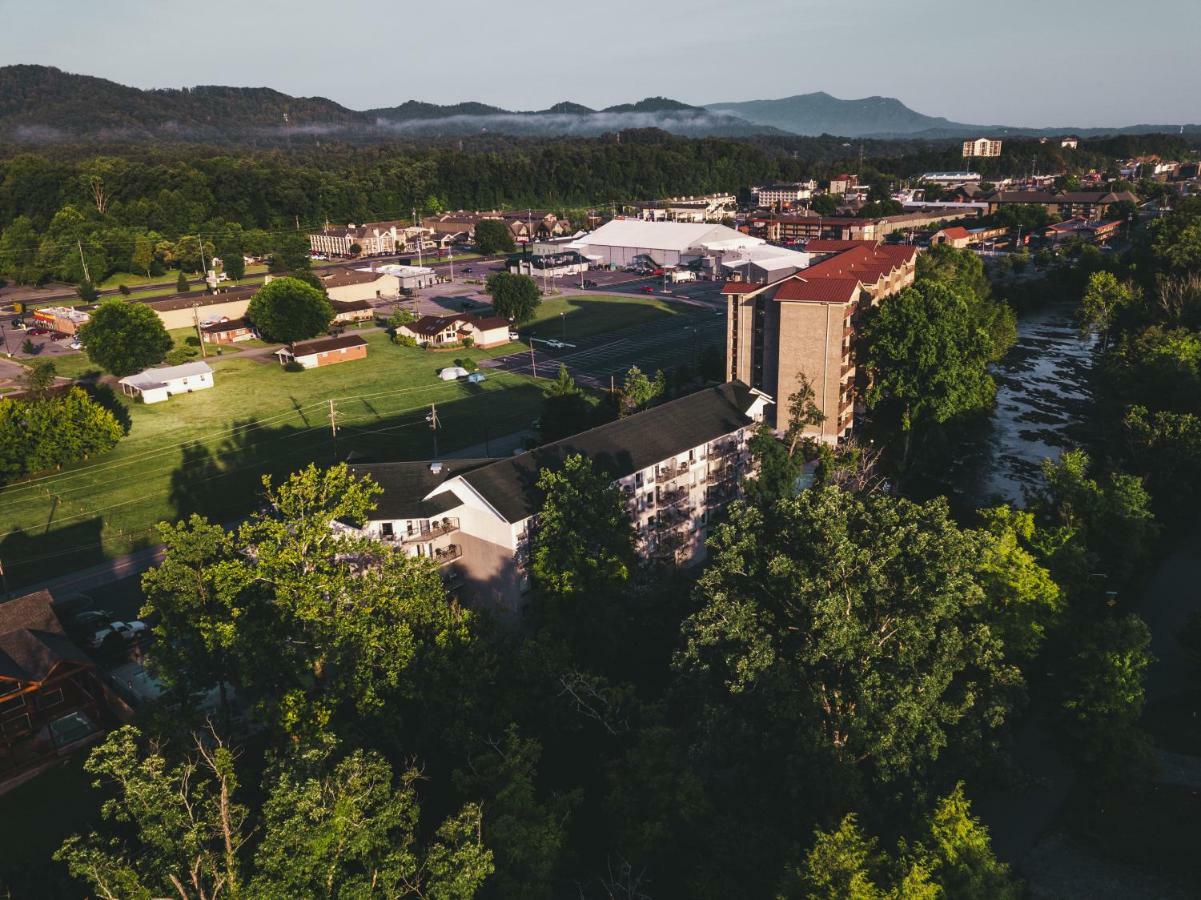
<point x="1037" y="63"/>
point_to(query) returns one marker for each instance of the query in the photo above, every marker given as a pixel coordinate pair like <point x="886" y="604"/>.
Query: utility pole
<point x="533" y="361"/>
<point x="432" y="418"/>
<point x="333" y="422"/>
<point x="86" y="275"/>
<point x="451" y="257"/>
<point x="204" y="268"/>
<point x="199" y="333"/>
<point x="296" y="219"/>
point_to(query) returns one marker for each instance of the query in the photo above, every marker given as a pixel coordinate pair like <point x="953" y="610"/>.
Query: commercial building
<point x="950" y="178"/>
<point x="411" y="278"/>
<point x="371" y="239"/>
<point x="187" y="309"/>
<point x="157" y="385"/>
<point x="548" y="265"/>
<point x="61" y="318"/>
<point x="798" y="228"/>
<point x="358" y="284"/>
<point x="981" y="147"/>
<point x="327" y="351"/>
<point x="1066" y="204"/>
<point x="782" y="195"/>
<point x="627" y="242"/>
<point x="677" y="465"/>
<point x="704" y="208"/>
<point x="807" y="324"/>
<point x="346" y="311"/>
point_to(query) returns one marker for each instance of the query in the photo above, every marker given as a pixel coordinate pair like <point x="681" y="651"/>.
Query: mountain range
<point x="42" y="104"/>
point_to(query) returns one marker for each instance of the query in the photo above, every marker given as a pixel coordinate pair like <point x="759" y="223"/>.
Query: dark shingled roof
<point x="406" y="484"/>
<point x="341" y="306"/>
<point x="324" y="345"/>
<point x="197" y="298"/>
<point x="32" y="641"/>
<point x="619" y="448"/>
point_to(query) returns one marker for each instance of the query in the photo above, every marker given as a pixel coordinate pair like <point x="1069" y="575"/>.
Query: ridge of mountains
<point x="40" y="104"/>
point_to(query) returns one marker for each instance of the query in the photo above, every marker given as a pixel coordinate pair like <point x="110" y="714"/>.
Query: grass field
<point x="205" y="452"/>
<point x="585" y="315"/>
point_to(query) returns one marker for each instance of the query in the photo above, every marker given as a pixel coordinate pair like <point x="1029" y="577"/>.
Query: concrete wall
<point x="185" y="318"/>
<point x="813" y="342"/>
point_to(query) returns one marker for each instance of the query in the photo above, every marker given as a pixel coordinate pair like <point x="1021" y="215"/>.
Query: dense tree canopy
<point x="516" y="297"/>
<point x="47" y="431"/>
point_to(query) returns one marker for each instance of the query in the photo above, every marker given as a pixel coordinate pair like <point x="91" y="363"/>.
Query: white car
<point x="127" y="630"/>
<point x="75" y="345"/>
<point x="514" y="336"/>
<point x="555" y="344"/>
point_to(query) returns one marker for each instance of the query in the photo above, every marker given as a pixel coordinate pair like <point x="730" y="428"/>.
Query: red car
<point x="648" y="289"/>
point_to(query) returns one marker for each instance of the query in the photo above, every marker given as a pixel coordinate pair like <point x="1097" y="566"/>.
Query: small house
<point x="327" y="351"/>
<point x="50" y="697"/>
<point x="451" y="331"/>
<point x="227" y="331"/>
<point x="352" y="310"/>
<point x="157" y="385"/>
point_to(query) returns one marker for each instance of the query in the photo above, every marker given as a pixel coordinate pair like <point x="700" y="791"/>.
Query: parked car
<point x="555" y="344"/>
<point x="589" y="283"/>
<point x="92" y="618"/>
<point x="19" y="324"/>
<point x="75" y="345"/>
<point x="467" y="270"/>
<point x="648" y="289"/>
<point x="38" y="332"/>
<point x="476" y="377"/>
<point x="127" y="630"/>
<point x="514" y="336"/>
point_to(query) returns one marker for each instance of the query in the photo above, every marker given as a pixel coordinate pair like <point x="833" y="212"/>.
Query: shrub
<point x="180" y="355"/>
<point x="124" y="289"/>
<point x="293" y="366"/>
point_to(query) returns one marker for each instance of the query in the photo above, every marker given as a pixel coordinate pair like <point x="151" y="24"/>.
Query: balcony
<point x="671" y="472"/>
<point x="449" y="553"/>
<point x="723" y="492"/>
<point x="673" y="496"/>
<point x="435" y="529"/>
<point x="669" y="519"/>
<point x="723" y="450"/>
<point x="668" y="544"/>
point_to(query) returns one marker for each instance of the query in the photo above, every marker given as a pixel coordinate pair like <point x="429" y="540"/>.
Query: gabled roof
<point x="341" y="306"/>
<point x="407" y="484"/>
<point x="324" y="345"/>
<point x="32" y="640"/>
<point x="619" y="448"/>
<point x="830" y="245"/>
<point x="956" y="233"/>
<point x="152" y="378"/>
<point x="227" y="325"/>
<point x="197" y="298"/>
<point x="345" y="277"/>
<point x="817" y="290"/>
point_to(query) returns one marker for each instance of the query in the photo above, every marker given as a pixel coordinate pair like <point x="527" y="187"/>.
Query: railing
<point x="435" y="529"/>
<point x="722" y="450"/>
<point x="671" y="472"/>
<point x="443" y="555"/>
<point x="673" y="518"/>
<point x="672" y="496"/>
<point x="720" y="493"/>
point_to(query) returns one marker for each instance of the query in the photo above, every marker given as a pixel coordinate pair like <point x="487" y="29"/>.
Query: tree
<point x="401" y="316"/>
<point x="928" y="358"/>
<point x="181" y="283"/>
<point x="87" y="292"/>
<point x="39" y="378"/>
<point x="515" y="297"/>
<point x="1103" y="298"/>
<point x="803" y="412"/>
<point x="235" y="265"/>
<point x="290" y="253"/>
<point x="583" y="549"/>
<point x="49" y="431"/>
<point x="180" y="829"/>
<point x="638" y="391"/>
<point x="123" y="338"/>
<point x="857" y="627"/>
<point x="1027" y="601"/>
<point x="184" y="827"/>
<point x="197" y="599"/>
<point x="143" y="253"/>
<point x="289" y="310"/>
<point x="778" y="470"/>
<point x="824" y="205"/>
<point x="1103" y="698"/>
<point x="953" y="859"/>
<point x="493" y="236"/>
<point x="355" y="249"/>
<point x="353" y="833"/>
<point x="565" y="409"/>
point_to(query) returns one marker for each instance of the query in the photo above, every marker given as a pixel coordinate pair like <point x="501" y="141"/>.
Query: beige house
<point x="806" y="324"/>
<point x="453" y="330"/>
<point x="346" y="311"/>
<point x="677" y="466"/>
<point x="187" y="309"/>
<point x="981" y="147"/>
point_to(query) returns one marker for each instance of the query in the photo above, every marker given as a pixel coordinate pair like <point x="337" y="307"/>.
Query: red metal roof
<point x="818" y="290"/>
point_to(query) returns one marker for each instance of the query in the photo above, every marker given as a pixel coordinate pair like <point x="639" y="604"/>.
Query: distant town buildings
<point x="784" y="194"/>
<point x="677" y="465"/>
<point x="705" y="208"/>
<point x="981" y="147"/>
<point x="371" y="239"/>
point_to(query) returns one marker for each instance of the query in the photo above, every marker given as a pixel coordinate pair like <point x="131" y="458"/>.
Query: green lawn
<point x="205" y="452"/>
<point x="586" y="315"/>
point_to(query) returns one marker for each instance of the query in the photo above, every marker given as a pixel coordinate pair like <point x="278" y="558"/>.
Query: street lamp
<point x="563" y="319"/>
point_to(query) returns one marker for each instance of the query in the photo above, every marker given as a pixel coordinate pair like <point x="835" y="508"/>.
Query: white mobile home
<point x="157" y="385"/>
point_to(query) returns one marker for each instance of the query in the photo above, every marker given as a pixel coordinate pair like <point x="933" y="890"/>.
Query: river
<point x="1043" y="399"/>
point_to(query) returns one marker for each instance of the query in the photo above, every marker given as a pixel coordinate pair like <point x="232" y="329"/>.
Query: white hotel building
<point x="677" y="464"/>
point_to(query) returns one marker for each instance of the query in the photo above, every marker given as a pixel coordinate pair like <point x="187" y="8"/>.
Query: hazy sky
<point x="1021" y="62"/>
